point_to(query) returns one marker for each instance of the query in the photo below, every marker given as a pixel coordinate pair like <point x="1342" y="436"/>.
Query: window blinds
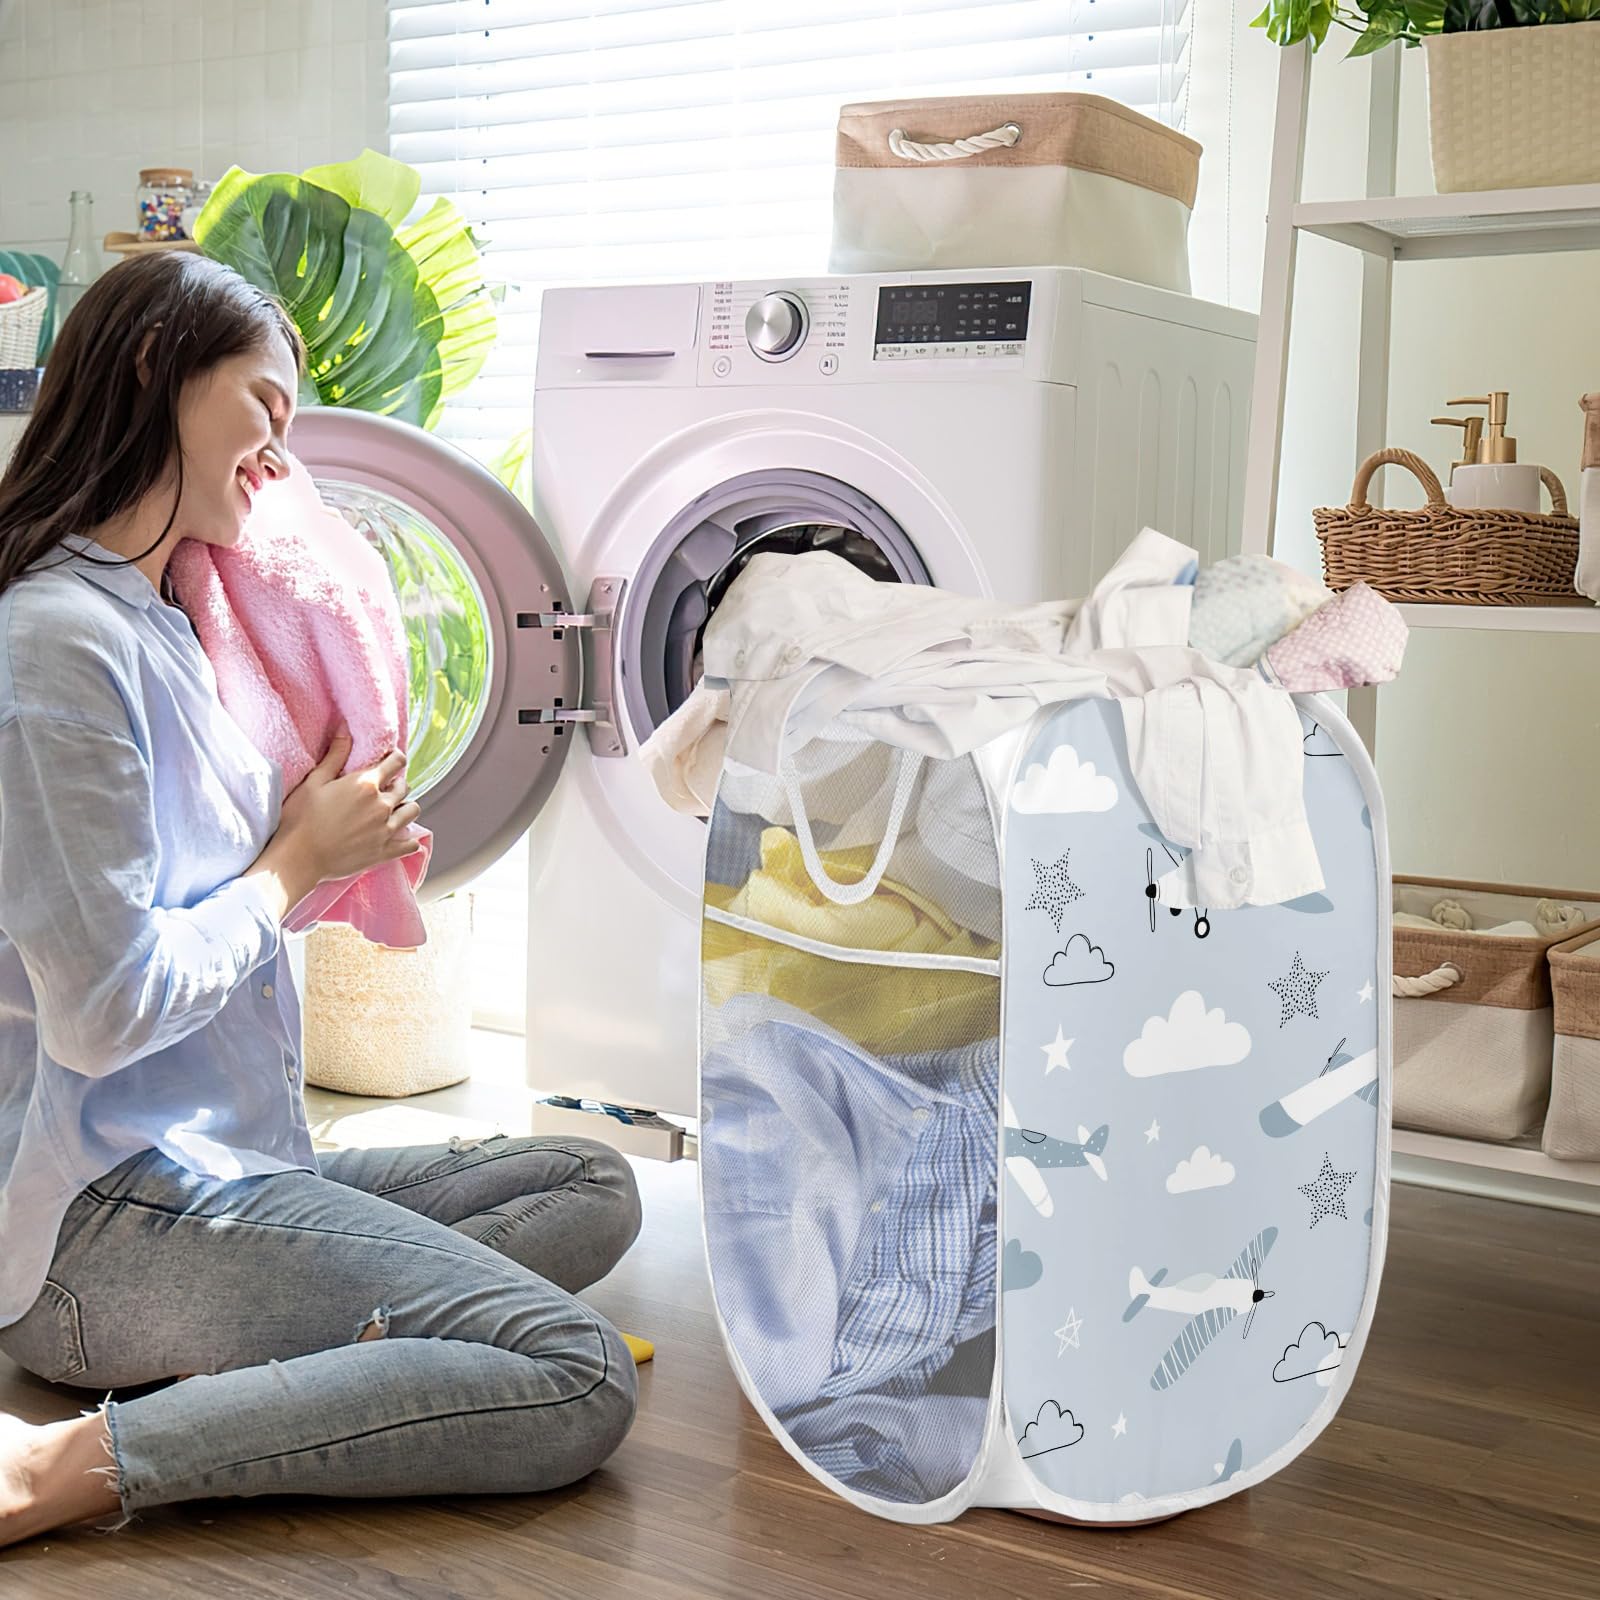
<point x="626" y="140"/>
<point x="633" y="140"/>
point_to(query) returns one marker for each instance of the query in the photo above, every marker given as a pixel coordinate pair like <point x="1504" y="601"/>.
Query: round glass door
<point x="448" y="640"/>
<point x="474" y="576"/>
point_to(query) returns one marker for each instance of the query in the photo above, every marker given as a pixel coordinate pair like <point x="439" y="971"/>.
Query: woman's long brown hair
<point x="101" y="436"/>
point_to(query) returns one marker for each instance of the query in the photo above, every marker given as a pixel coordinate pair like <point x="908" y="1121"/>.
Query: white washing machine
<point x="1003" y="432"/>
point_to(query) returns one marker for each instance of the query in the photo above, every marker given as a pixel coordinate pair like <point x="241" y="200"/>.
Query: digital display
<point x="942" y="319"/>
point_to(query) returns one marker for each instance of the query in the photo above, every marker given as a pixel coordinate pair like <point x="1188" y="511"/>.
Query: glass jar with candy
<point x="165" y="193"/>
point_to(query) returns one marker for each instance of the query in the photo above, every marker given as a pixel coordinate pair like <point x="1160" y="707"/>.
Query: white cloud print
<point x="1187" y="1038"/>
<point x="1203" y="1170"/>
<point x="1066" y="784"/>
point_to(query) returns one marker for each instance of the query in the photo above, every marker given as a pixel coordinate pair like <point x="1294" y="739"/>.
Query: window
<point x="631" y="140"/>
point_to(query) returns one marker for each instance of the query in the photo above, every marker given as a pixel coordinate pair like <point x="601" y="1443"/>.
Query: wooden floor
<point x="1465" y="1463"/>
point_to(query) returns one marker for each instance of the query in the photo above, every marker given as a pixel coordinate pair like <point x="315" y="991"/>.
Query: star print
<point x="1153" y="1132"/>
<point x="1053" y="890"/>
<point x="1056" y="1054"/>
<point x="1119" y="1427"/>
<point x="1067" y="1333"/>
<point x="1297" y="991"/>
<point x="1326" y="1192"/>
<point x="1364" y="993"/>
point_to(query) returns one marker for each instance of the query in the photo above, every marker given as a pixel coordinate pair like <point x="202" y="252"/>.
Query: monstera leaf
<point x="393" y="322"/>
<point x="448" y="262"/>
<point x="367" y="320"/>
<point x="373" y="182"/>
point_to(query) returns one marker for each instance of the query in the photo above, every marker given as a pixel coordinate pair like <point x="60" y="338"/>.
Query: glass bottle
<point x="80" y="266"/>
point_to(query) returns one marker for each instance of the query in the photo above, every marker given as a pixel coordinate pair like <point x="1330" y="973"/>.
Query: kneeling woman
<point x="370" y="1322"/>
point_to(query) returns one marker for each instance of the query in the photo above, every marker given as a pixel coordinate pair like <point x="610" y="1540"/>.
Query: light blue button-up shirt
<point x="145" y="996"/>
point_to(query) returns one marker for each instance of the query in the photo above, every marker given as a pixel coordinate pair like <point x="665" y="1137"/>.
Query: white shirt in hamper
<point x="145" y="1000"/>
<point x="1216" y="750"/>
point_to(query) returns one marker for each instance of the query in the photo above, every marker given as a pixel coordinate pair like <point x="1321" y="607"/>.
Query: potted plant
<point x="1513" y="85"/>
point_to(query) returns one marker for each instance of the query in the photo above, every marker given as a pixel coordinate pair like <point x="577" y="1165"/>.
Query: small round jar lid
<point x="173" y="175"/>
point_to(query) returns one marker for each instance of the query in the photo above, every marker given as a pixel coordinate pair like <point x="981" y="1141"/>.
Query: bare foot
<point x="17" y="1439"/>
<point x="47" y="1476"/>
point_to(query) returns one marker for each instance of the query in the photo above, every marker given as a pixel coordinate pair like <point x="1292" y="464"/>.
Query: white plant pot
<point x="1515" y="108"/>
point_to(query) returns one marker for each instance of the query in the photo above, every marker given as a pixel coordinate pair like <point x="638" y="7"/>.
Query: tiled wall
<point x="93" y="90"/>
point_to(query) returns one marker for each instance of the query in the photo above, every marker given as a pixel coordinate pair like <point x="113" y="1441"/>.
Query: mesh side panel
<point x="885" y="1009"/>
<point x="848" y="1112"/>
<point x="944" y="865"/>
<point x="849" y="1210"/>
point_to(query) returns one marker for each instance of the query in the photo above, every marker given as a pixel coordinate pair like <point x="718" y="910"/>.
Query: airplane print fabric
<point x="1193" y="1198"/>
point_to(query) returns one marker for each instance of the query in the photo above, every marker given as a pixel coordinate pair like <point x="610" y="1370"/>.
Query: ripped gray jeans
<point x="403" y="1324"/>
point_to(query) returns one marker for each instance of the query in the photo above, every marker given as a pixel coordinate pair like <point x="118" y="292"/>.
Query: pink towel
<point x="303" y="631"/>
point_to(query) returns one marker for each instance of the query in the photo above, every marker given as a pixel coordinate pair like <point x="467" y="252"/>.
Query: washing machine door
<point x="493" y="681"/>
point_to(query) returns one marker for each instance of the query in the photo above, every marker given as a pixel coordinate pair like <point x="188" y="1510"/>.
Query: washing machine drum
<point x="1021" y="1187"/>
<point x="702" y="549"/>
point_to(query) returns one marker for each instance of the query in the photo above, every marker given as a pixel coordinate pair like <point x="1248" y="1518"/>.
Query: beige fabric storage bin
<point x="1572" y="1125"/>
<point x="377" y="1021"/>
<point x="1018" y="180"/>
<point x="1472" y="1058"/>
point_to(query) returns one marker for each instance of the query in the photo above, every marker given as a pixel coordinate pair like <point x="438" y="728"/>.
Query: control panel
<point x="803" y="330"/>
<point x="951" y="320"/>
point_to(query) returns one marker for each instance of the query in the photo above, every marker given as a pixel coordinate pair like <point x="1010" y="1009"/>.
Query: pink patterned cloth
<point x="1356" y="638"/>
<point x="302" y="628"/>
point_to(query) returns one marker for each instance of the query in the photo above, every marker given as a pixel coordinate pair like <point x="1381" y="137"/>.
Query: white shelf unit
<point x="1386" y="228"/>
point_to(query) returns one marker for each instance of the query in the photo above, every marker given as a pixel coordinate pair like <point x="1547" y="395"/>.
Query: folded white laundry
<point x="1216" y="750"/>
<point x="1505" y="930"/>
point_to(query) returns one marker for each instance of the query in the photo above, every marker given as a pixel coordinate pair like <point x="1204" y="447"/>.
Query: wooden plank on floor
<point x="1465" y="1465"/>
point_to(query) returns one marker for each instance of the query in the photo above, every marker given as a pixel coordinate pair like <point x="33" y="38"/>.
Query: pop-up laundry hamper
<point x="1020" y="1186"/>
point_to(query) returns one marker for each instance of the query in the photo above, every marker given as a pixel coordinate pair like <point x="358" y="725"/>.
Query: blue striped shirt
<point x="145" y="997"/>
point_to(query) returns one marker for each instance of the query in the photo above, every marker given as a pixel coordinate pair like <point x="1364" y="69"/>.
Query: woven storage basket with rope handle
<point x="1443" y="555"/>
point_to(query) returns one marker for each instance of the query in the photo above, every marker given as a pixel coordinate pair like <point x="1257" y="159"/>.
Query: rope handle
<point x="1440" y="978"/>
<point x="1004" y="136"/>
<point x="1558" y="495"/>
<point x="1396" y="457"/>
<point x="851" y="894"/>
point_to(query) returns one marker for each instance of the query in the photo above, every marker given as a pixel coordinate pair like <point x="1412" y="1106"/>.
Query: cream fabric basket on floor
<point x="1572" y="1126"/>
<point x="1473" y="1029"/>
<point x="388" y="1022"/>
<point x="1022" y="180"/>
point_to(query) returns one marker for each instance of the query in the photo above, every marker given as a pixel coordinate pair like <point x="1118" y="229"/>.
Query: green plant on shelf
<point x="1409" y="22"/>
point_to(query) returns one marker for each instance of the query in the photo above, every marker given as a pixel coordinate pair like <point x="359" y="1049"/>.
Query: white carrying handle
<point x="1429" y="983"/>
<point x="954" y="149"/>
<point x="852" y="894"/>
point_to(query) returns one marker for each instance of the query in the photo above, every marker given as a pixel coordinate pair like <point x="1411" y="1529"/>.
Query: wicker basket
<point x="21" y="322"/>
<point x="390" y="1022"/>
<point x="1443" y="555"/>
<point x="1514" y="108"/>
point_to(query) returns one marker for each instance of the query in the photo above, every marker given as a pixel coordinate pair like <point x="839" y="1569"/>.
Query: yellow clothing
<point x="888" y="1010"/>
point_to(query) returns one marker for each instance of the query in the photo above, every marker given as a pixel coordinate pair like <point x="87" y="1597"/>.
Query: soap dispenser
<point x="1471" y="437"/>
<point x="1494" y="480"/>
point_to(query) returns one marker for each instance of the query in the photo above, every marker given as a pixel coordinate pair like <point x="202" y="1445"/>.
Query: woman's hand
<point x="333" y="826"/>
